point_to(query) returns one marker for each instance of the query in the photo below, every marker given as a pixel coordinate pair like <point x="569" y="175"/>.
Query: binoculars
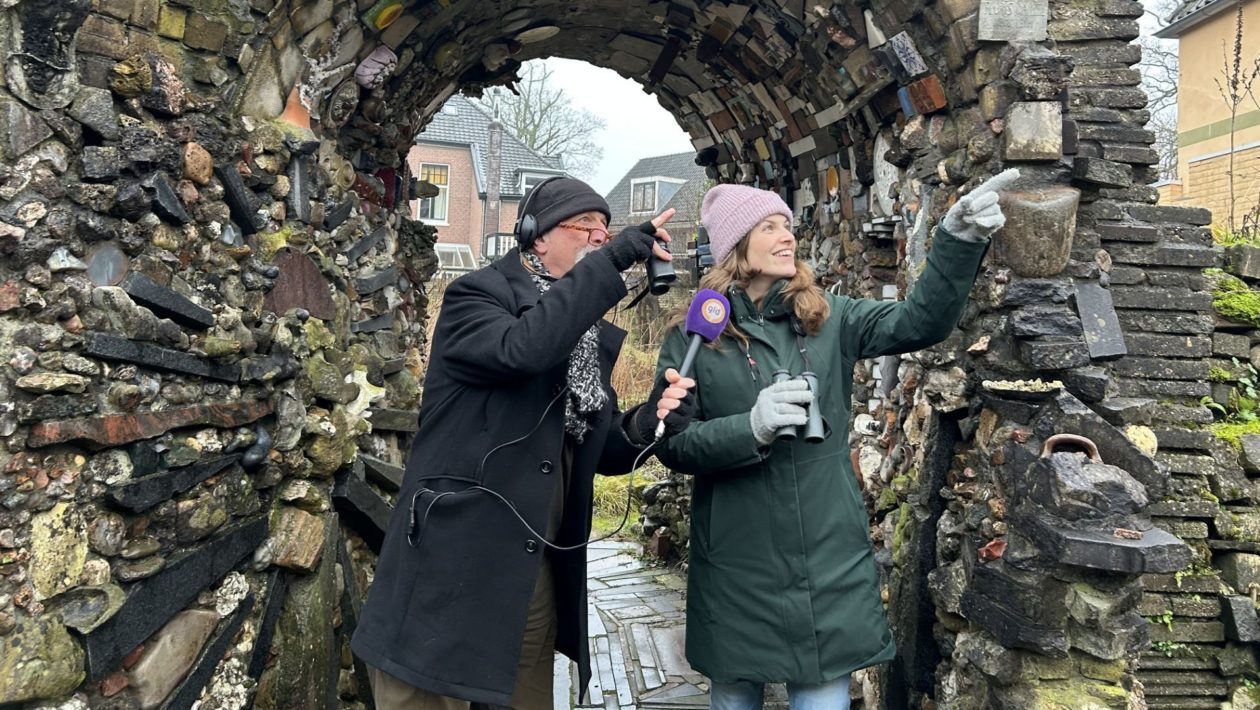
<point x="812" y="431"/>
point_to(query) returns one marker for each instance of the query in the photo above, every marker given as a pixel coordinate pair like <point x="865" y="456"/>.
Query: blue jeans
<point x="746" y="695"/>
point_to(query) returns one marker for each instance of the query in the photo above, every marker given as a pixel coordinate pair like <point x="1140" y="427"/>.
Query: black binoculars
<point x="812" y="431"/>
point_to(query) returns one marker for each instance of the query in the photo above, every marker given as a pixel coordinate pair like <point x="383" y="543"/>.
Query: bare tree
<point x="1159" y="79"/>
<point x="1235" y="87"/>
<point x="544" y="118"/>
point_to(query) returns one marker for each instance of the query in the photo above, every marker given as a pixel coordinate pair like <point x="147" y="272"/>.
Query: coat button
<point x="545" y="467"/>
<point x="531" y="546"/>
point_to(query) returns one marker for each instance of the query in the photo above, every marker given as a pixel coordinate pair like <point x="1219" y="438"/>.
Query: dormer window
<point x="652" y="194"/>
<point x="643" y="196"/>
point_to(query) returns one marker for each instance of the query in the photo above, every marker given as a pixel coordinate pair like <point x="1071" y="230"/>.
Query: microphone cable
<point x="411" y="527"/>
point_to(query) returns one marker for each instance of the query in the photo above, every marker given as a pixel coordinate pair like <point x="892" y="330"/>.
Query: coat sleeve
<point x="707" y="446"/>
<point x="870" y="328"/>
<point x="619" y="452"/>
<point x="486" y="343"/>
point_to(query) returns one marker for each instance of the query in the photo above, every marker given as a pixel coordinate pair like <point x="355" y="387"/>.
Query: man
<point x="470" y="595"/>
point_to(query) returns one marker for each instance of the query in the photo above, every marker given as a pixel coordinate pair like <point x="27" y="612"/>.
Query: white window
<point x="454" y="259"/>
<point x="529" y="180"/>
<point x="651" y="194"/>
<point x="643" y="196"/>
<point x="433" y="209"/>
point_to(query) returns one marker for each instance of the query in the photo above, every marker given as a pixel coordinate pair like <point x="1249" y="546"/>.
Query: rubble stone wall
<point x="214" y="305"/>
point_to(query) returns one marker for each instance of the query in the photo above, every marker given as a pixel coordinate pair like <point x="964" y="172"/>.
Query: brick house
<point x="1203" y="139"/>
<point x="474" y="213"/>
<point x="656" y="184"/>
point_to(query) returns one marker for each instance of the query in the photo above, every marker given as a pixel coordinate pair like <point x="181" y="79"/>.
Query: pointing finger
<point x="998" y="182"/>
<point x="663" y="217"/>
<point x="981" y="202"/>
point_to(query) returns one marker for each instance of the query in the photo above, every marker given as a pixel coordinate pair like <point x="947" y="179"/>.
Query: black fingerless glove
<point x="632" y="245"/>
<point x="641" y="427"/>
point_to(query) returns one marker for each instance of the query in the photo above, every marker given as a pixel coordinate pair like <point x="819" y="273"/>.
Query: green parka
<point x="782" y="585"/>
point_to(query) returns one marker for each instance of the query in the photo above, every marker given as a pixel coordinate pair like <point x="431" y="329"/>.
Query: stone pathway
<point x="636" y="626"/>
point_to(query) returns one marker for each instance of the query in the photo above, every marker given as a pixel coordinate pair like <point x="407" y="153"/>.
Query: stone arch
<point x="210" y="281"/>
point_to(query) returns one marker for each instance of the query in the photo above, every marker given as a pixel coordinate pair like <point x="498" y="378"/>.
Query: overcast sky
<point x="635" y="125"/>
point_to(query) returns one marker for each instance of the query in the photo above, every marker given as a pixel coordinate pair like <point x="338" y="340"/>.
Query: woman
<point x="782" y="585"/>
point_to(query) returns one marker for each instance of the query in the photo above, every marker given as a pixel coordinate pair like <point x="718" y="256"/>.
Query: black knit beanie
<point x="558" y="200"/>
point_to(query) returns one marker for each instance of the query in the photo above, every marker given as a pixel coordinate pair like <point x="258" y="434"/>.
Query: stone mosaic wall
<point x="214" y="306"/>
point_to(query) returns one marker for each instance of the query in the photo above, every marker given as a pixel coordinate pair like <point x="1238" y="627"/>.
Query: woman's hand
<point x="976" y="215"/>
<point x="670" y="402"/>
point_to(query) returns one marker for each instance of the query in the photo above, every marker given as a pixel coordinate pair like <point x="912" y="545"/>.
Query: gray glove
<point x="779" y="405"/>
<point x="976" y="215"/>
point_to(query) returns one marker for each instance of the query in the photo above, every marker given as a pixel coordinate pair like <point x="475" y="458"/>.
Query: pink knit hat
<point x="731" y="211"/>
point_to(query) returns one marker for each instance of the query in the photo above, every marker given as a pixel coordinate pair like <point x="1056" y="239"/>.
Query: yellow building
<point x="1205" y="30"/>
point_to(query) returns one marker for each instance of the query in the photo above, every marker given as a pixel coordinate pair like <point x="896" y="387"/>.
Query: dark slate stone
<point x="267" y="626"/>
<point x="1163" y="299"/>
<point x="191" y="687"/>
<point x="112" y="347"/>
<point x="1251" y="453"/>
<point x="145" y="458"/>
<point x="366" y="244"/>
<point x="1156" y="322"/>
<point x="338" y="215"/>
<point x="130" y="201"/>
<point x="240" y="200"/>
<point x="361" y="508"/>
<point x="371" y="325"/>
<point x="165" y="303"/>
<point x="1054" y="354"/>
<point x="1239" y="616"/>
<point x="376" y="282"/>
<point x="301" y="187"/>
<point x="1089" y="384"/>
<point x="351" y="605"/>
<point x="1123" y="636"/>
<point x="1157" y="551"/>
<point x="152" y="602"/>
<point x="1112" y="232"/>
<point x="1013" y="606"/>
<point x="1027" y="292"/>
<point x="1105" y="173"/>
<point x="57" y="406"/>
<point x="1163" y="369"/>
<point x="1041" y="321"/>
<point x="395" y="420"/>
<point x="102" y="163"/>
<point x="384" y="474"/>
<point x="390" y="367"/>
<point x="166" y="203"/>
<point x="1103" y="334"/>
<point x="268" y="369"/>
<point x="1122" y="411"/>
<point x="145" y="492"/>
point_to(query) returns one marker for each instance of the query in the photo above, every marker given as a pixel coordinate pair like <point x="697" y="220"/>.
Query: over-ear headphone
<point x="526" y="225"/>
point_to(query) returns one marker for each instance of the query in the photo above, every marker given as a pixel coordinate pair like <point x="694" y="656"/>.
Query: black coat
<point x="448" y="614"/>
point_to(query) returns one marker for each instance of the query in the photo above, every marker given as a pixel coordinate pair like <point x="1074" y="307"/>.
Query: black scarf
<point x="587" y="395"/>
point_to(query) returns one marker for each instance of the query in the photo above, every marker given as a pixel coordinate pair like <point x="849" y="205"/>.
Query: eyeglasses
<point x="592" y="233"/>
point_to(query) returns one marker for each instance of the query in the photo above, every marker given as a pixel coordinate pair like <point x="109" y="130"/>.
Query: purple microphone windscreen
<point x="708" y="314"/>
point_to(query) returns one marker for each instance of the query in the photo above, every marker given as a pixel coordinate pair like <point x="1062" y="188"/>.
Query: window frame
<point x="634" y="185"/>
<point x="656" y="181"/>
<point x="444" y="194"/>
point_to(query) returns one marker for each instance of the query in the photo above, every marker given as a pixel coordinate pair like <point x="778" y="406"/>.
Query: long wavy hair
<point x="802" y="293"/>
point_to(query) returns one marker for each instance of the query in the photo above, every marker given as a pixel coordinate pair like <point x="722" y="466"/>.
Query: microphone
<point x="706" y="319"/>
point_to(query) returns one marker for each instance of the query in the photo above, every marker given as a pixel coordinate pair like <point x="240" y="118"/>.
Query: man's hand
<point x="671" y="402"/>
<point x="976" y="215"/>
<point x="635" y="244"/>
